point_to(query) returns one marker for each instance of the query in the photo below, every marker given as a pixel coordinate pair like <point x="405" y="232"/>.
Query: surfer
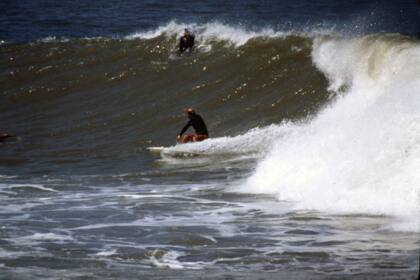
<point x="197" y="122"/>
<point x="186" y="42"/>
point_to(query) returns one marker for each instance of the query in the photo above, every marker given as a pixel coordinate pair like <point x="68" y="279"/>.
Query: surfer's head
<point x="189" y="111"/>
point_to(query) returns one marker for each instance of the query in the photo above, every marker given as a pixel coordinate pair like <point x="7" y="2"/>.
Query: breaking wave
<point x="332" y="121"/>
<point x="360" y="154"/>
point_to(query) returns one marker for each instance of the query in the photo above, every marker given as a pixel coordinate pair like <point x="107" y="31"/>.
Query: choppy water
<point x="311" y="171"/>
<point x="128" y="227"/>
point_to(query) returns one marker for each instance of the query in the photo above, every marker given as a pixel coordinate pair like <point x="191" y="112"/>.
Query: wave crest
<point x="361" y="153"/>
<point x="210" y="32"/>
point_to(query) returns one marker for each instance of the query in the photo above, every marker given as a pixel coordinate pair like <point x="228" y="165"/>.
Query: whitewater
<point x="361" y="154"/>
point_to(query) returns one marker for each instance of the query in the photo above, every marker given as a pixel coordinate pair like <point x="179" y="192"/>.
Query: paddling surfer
<point x="186" y="42"/>
<point x="197" y="122"/>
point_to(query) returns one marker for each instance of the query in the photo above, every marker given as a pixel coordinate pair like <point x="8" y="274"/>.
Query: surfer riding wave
<point x="197" y="122"/>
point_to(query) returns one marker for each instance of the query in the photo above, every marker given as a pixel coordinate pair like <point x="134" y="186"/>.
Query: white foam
<point x="10" y="255"/>
<point x="250" y="143"/>
<point x="7" y="193"/>
<point x="49" y="236"/>
<point x="7" y="177"/>
<point x="34" y="238"/>
<point x="18" y="207"/>
<point x="211" y="31"/>
<point x="170" y="260"/>
<point x="140" y="196"/>
<point x="34" y="186"/>
<point x="211" y="238"/>
<point x="106" y="253"/>
<point x="53" y="39"/>
<point x="362" y="153"/>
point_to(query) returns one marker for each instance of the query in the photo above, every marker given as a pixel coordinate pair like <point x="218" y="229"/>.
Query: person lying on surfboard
<point x="197" y="122"/>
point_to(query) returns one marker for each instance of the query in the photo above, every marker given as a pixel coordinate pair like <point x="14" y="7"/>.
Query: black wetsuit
<point x="186" y="42"/>
<point x="197" y="122"/>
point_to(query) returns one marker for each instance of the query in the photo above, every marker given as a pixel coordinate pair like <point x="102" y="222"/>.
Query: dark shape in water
<point x="6" y="136"/>
<point x="186" y="42"/>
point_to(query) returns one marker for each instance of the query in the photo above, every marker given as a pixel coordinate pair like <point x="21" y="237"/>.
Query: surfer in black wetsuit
<point x="186" y="42"/>
<point x="197" y="122"/>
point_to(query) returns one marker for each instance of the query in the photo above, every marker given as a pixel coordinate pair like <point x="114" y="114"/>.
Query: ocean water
<point x="311" y="171"/>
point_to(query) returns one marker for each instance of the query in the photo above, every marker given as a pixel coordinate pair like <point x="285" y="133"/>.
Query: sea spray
<point x="361" y="154"/>
<point x="210" y="32"/>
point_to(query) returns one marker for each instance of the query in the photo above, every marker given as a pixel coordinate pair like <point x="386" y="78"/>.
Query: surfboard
<point x="156" y="149"/>
<point x="174" y="152"/>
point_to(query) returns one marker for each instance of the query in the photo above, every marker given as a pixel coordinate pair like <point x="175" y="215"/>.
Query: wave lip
<point x="208" y="32"/>
<point x="361" y="154"/>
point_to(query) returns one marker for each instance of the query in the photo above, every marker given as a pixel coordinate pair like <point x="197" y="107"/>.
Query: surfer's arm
<point x="189" y="123"/>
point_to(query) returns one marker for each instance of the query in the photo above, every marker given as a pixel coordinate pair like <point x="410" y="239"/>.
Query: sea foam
<point x="360" y="154"/>
<point x="209" y="32"/>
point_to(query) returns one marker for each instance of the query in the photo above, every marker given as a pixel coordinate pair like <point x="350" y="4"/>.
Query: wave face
<point x="360" y="154"/>
<point x="86" y="100"/>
